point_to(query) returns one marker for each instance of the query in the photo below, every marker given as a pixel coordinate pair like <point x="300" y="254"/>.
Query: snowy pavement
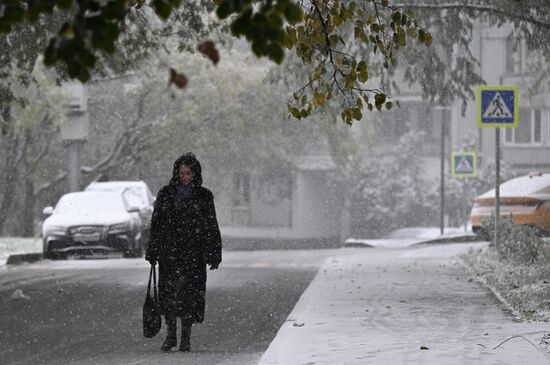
<point x="402" y="306"/>
<point x="17" y="245"/>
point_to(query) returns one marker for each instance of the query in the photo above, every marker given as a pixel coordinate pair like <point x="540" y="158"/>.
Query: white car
<point x="86" y="223"/>
<point x="136" y="193"/>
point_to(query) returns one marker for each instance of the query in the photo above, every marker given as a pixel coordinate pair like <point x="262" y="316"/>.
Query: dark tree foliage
<point x="314" y="29"/>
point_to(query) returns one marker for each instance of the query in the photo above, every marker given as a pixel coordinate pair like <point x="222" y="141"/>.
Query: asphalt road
<point x="89" y="311"/>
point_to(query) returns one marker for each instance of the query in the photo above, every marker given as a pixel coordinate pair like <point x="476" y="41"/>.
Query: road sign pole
<point x="497" y="106"/>
<point x="442" y="178"/>
<point x="464" y="212"/>
<point x="497" y="185"/>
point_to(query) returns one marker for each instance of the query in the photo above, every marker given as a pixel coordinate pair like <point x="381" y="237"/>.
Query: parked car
<point x="86" y="223"/>
<point x="525" y="199"/>
<point x="136" y="194"/>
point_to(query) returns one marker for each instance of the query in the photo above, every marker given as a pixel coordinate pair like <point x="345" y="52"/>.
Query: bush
<point x="519" y="242"/>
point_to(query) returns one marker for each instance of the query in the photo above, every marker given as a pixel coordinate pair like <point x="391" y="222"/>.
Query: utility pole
<point x="75" y="131"/>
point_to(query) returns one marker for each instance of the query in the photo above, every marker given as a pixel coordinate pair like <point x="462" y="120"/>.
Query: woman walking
<point x="184" y="239"/>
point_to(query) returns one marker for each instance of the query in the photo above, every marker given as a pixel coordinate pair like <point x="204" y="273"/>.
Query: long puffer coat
<point x="184" y="239"/>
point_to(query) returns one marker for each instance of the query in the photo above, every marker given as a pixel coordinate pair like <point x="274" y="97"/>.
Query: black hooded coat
<point x="184" y="238"/>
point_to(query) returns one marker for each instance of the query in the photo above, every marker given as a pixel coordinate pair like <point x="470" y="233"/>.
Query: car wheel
<point x="50" y="254"/>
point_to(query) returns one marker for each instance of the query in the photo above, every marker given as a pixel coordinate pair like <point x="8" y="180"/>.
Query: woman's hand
<point x="214" y="266"/>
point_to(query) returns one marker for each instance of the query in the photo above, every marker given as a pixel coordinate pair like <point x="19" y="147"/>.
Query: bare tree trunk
<point x="8" y="179"/>
<point x="28" y="210"/>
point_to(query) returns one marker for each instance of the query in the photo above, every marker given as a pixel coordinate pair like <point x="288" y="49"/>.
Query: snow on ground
<point x="524" y="287"/>
<point x="409" y="236"/>
<point x="402" y="306"/>
<point x="17" y="245"/>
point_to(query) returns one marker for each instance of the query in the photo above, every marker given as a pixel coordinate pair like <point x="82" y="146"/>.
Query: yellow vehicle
<point x="525" y="199"/>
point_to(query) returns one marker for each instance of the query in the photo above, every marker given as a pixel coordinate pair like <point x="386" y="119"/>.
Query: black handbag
<point x="151" y="309"/>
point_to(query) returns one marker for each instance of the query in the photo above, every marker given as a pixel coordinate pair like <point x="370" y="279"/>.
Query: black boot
<point x="185" y="341"/>
<point x="171" y="338"/>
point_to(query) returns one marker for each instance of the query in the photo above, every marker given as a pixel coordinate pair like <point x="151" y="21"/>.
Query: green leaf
<point x="162" y="9"/>
<point x="293" y="13"/>
<point x="224" y="9"/>
<point x="425" y="37"/>
<point x="396" y="17"/>
<point x="363" y="76"/>
<point x="379" y="99"/>
<point x="401" y="37"/>
<point x="295" y="112"/>
<point x="389" y="105"/>
<point x="276" y="53"/>
<point x="428" y="39"/>
<point x="350" y="83"/>
<point x="319" y="98"/>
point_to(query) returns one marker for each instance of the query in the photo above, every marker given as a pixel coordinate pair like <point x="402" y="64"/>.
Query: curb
<point x="231" y="243"/>
<point x="454" y="239"/>
<point x="24" y="258"/>
<point x="483" y="283"/>
<point x="358" y="244"/>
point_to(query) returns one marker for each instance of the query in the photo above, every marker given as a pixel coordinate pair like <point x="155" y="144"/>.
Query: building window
<point x="529" y="130"/>
<point x="516" y="55"/>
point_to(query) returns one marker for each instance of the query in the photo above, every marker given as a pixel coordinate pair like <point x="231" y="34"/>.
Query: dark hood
<point x="190" y="160"/>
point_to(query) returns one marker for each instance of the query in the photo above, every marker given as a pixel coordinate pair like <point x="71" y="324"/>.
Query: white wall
<point x="315" y="211"/>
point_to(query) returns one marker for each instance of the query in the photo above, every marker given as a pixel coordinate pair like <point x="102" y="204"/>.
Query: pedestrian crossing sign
<point x="464" y="164"/>
<point x="497" y="106"/>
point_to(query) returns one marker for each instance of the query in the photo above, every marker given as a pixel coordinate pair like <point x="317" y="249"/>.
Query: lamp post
<point x="75" y="131"/>
<point x="444" y="119"/>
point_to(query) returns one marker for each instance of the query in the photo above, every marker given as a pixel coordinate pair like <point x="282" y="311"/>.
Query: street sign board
<point x="497" y="106"/>
<point x="464" y="164"/>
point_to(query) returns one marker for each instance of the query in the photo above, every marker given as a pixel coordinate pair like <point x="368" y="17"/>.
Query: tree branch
<point x="62" y="176"/>
<point x="325" y="29"/>
<point x="523" y="16"/>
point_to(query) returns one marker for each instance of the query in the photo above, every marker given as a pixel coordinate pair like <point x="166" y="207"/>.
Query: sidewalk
<point x="379" y="306"/>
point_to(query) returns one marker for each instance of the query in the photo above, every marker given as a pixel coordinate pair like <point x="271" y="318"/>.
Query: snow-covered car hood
<point x="61" y="220"/>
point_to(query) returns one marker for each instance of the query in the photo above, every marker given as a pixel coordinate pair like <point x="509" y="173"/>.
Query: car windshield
<point x="97" y="203"/>
<point x="135" y="196"/>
